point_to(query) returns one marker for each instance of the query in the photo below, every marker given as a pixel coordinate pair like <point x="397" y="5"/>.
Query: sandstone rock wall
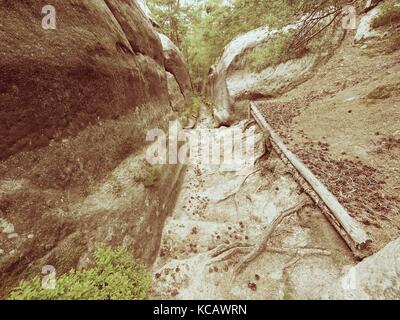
<point x="365" y="30"/>
<point x="175" y="64"/>
<point x="375" y="278"/>
<point x="96" y="66"/>
<point x="75" y="106"/>
<point x="178" y="100"/>
<point x="217" y="87"/>
<point x="230" y="83"/>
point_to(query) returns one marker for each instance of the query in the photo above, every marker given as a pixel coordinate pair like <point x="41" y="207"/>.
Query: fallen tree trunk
<point x="355" y="237"/>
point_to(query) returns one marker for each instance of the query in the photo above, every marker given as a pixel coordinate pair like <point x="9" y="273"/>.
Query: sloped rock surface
<point x="217" y="86"/>
<point x="60" y="81"/>
<point x="229" y="82"/>
<point x="365" y="30"/>
<point x="175" y="64"/>
<point x="375" y="278"/>
<point x="75" y="106"/>
<point x="176" y="97"/>
<point x="137" y="29"/>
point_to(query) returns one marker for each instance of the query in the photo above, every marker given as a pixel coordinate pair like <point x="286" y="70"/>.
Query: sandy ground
<point x="188" y="265"/>
<point x="350" y="140"/>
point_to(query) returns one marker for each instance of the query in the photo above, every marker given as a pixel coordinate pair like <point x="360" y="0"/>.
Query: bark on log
<point x="348" y="228"/>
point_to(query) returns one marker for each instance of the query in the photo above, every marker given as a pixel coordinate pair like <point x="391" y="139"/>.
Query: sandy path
<point x="203" y="220"/>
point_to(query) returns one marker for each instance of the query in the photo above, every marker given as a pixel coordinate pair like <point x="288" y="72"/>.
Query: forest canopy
<point x="202" y="28"/>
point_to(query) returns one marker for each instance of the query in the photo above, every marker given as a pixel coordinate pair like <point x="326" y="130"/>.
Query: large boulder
<point x="243" y="84"/>
<point x="217" y="86"/>
<point x="375" y="278"/>
<point x="175" y="64"/>
<point x="137" y="29"/>
<point x="75" y="106"/>
<point x="365" y="30"/>
<point x="178" y="101"/>
<point x="96" y="65"/>
<point x="230" y="83"/>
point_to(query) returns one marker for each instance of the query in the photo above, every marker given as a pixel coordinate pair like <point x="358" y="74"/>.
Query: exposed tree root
<point x="239" y="187"/>
<point x="226" y="247"/>
<point x="227" y="251"/>
<point x="229" y="254"/>
<point x="285" y="272"/>
<point x="302" y="252"/>
<point x="236" y="206"/>
<point x="263" y="153"/>
<point x="248" y="124"/>
<point x="292" y="262"/>
<point x="263" y="244"/>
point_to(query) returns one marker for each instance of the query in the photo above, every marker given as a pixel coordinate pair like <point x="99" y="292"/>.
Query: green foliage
<point x="202" y="29"/>
<point x="116" y="276"/>
<point x="390" y="14"/>
<point x="171" y="16"/>
<point x="270" y="54"/>
<point x="192" y="109"/>
<point x="149" y="175"/>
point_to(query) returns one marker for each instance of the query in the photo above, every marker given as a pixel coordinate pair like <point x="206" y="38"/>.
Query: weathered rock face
<point x="95" y="66"/>
<point x="229" y="83"/>
<point x="217" y="86"/>
<point x="270" y="82"/>
<point x="175" y="64"/>
<point x="365" y="30"/>
<point x="178" y="102"/>
<point x="75" y="106"/>
<point x="137" y="28"/>
<point x="219" y="75"/>
<point x="217" y="89"/>
<point x="142" y="4"/>
<point x="375" y="278"/>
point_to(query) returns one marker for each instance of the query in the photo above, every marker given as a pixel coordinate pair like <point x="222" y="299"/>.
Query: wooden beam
<point x="348" y="228"/>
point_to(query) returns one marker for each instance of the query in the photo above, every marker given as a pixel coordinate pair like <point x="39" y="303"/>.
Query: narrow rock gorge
<point x="82" y="105"/>
<point x="76" y="104"/>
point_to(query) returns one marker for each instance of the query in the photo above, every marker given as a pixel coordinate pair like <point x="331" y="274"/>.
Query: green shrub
<point x="149" y="175"/>
<point x="116" y="276"/>
<point x="192" y="109"/>
<point x="271" y="54"/>
<point x="390" y="14"/>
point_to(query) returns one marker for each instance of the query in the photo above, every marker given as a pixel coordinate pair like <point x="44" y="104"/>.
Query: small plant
<point x="115" y="276"/>
<point x="149" y="176"/>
